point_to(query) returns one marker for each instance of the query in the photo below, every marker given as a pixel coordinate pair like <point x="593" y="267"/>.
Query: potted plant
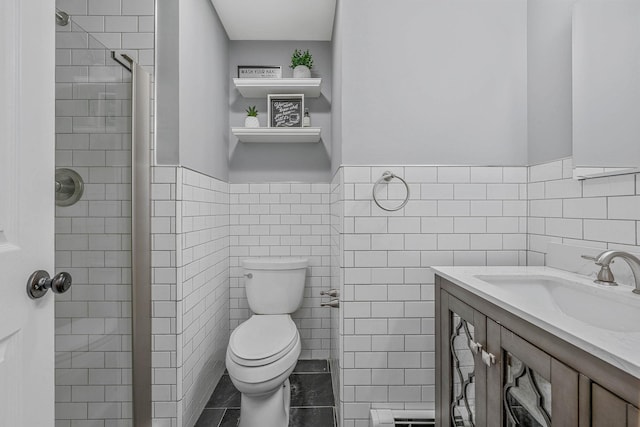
<point x="251" y="121"/>
<point x="301" y="62"/>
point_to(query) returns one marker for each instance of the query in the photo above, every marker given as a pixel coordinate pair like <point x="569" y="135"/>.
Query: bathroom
<point x="477" y="107"/>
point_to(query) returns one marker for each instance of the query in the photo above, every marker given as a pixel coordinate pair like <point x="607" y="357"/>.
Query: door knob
<point x="39" y="283"/>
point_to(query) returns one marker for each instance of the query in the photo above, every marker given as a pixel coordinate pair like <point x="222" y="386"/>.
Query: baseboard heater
<point x="393" y="418"/>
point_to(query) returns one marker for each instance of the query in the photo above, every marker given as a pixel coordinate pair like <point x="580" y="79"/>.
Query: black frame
<point x="260" y="67"/>
<point x="299" y="98"/>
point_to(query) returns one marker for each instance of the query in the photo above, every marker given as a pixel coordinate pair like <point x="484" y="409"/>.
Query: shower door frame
<point x="140" y="239"/>
<point x="141" y="245"/>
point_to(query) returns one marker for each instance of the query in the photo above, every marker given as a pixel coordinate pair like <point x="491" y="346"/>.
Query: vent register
<point x="392" y="418"/>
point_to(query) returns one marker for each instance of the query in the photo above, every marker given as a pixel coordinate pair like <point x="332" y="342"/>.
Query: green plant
<point x="301" y="58"/>
<point x="252" y="111"/>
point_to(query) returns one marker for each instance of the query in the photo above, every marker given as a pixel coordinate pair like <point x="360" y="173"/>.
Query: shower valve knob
<point x="330" y="293"/>
<point x="334" y="303"/>
<point x="40" y="282"/>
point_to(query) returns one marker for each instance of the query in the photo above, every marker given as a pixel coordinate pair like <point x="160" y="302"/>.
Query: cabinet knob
<point x="475" y="347"/>
<point x="488" y="358"/>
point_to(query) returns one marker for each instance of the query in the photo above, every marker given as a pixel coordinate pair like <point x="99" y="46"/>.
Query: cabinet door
<point x="608" y="410"/>
<point x="462" y="377"/>
<point x="633" y="416"/>
<point x="536" y="389"/>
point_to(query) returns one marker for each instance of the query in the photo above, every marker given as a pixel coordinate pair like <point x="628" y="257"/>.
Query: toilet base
<point x="266" y="410"/>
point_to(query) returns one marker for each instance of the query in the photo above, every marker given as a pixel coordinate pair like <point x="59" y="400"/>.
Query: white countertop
<point x="618" y="348"/>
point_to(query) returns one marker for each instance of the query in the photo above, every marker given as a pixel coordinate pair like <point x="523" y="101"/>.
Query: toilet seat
<point x="263" y="348"/>
<point x="262" y="340"/>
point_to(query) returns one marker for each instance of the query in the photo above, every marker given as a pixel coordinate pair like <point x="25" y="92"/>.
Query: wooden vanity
<point x="495" y="367"/>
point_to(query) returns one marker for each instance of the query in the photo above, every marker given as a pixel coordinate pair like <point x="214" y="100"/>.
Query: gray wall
<point x="336" y="108"/>
<point x="434" y="82"/>
<point x="192" y="87"/>
<point x="167" y="87"/>
<point x="549" y="80"/>
<point x="280" y="162"/>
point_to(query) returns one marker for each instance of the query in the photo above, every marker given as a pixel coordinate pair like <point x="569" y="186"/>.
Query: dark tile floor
<point x="312" y="403"/>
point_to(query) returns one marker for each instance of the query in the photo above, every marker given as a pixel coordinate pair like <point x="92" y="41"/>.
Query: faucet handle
<point x="594" y="259"/>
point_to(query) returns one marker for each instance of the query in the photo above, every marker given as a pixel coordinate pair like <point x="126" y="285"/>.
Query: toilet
<point x="263" y="350"/>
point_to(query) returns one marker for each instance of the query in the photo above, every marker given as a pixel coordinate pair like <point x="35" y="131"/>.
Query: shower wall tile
<point x="93" y="115"/>
<point x="384" y="334"/>
<point x="599" y="213"/>
<point x="285" y="220"/>
<point x="190" y="259"/>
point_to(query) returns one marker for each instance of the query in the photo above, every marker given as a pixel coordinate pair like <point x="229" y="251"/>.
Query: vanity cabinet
<point x="608" y="410"/>
<point x="495" y="369"/>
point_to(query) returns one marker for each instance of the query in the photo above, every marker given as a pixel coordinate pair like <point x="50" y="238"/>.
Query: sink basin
<point x="607" y="309"/>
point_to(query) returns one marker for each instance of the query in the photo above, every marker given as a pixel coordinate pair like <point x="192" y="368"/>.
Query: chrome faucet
<point x="605" y="275"/>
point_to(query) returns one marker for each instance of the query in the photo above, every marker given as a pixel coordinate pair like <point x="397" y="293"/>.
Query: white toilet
<point x="263" y="351"/>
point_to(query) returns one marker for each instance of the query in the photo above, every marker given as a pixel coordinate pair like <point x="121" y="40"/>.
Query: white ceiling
<point x="277" y="19"/>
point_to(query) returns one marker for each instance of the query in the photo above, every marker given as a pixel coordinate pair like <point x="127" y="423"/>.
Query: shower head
<point x="62" y="18"/>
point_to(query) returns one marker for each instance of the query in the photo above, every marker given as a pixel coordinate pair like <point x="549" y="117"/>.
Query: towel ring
<point x="387" y="176"/>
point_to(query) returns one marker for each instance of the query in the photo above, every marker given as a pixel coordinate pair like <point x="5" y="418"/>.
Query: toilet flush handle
<point x="248" y="275"/>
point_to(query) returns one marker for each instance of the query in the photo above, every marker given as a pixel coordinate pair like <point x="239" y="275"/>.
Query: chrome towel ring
<point x="387" y="176"/>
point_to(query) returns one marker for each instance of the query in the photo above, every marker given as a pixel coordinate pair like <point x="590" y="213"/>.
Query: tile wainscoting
<point x="190" y="259"/>
<point x="602" y="213"/>
<point x="282" y="220"/>
<point x="455" y="216"/>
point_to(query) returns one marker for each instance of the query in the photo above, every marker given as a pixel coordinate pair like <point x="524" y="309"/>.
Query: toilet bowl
<point x="264" y="350"/>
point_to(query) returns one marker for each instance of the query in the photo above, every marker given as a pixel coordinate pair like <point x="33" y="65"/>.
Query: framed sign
<point x="259" y="72"/>
<point x="285" y="111"/>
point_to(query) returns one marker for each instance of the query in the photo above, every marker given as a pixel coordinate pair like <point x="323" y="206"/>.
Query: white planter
<point x="251" y="122"/>
<point x="301" y="72"/>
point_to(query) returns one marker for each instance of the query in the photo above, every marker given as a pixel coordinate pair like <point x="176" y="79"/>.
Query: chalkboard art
<point x="285" y="111"/>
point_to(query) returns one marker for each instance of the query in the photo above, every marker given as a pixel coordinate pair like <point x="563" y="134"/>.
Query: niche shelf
<point x="277" y="135"/>
<point x="260" y="88"/>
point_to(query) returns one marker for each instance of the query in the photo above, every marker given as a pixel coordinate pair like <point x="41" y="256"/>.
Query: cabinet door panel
<point x="526" y="383"/>
<point x="584" y="404"/>
<point x="633" y="416"/>
<point x="607" y="410"/>
<point x="494" y="376"/>
<point x="462" y="384"/>
<point x="564" y="383"/>
<point x="536" y="389"/>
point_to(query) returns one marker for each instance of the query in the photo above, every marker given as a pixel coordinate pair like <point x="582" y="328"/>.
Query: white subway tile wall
<point x="284" y="220"/>
<point x="190" y="261"/>
<point x="124" y="25"/>
<point x="455" y="216"/>
<point x="601" y="212"/>
<point x="93" y="237"/>
<point x="337" y="219"/>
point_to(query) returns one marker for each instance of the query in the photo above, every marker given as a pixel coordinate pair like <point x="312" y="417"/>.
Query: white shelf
<point x="277" y="135"/>
<point x="260" y="88"/>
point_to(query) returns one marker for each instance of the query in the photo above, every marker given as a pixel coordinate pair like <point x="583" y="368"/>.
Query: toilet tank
<point x="274" y="285"/>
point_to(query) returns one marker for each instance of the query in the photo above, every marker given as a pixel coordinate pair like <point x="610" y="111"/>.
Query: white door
<point x="27" y="48"/>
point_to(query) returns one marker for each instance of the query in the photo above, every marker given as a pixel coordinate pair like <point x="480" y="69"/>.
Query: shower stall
<point x="103" y="324"/>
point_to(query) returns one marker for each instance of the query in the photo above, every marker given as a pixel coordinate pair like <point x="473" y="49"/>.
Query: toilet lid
<point x="263" y="339"/>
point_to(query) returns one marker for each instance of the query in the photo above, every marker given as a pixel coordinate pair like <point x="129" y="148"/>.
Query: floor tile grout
<point x="306" y="389"/>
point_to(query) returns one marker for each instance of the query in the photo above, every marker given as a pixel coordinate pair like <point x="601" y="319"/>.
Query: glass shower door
<point x="93" y="236"/>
